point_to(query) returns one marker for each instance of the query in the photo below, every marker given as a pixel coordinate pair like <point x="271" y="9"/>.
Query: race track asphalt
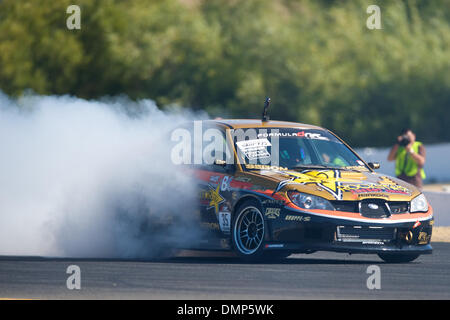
<point x="315" y="276"/>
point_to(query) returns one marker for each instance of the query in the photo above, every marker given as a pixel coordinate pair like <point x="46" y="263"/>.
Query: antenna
<point x="265" y="117"/>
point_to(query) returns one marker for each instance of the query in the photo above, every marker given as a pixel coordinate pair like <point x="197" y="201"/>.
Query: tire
<point x="248" y="231"/>
<point x="398" y="258"/>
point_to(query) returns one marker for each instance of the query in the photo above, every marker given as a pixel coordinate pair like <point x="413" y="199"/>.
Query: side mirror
<point x="228" y="168"/>
<point x="219" y="162"/>
<point x="374" y="165"/>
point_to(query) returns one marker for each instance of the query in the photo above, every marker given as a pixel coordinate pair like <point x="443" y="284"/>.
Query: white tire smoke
<point x="90" y="179"/>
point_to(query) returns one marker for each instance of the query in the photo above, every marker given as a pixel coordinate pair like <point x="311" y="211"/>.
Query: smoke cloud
<point x="85" y="178"/>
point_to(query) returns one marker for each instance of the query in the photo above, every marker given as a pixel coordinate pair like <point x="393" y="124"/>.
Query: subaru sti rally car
<point x="320" y="196"/>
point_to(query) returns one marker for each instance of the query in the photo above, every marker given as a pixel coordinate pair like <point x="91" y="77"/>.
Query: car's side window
<point x="216" y="153"/>
<point x="292" y="154"/>
<point x="203" y="147"/>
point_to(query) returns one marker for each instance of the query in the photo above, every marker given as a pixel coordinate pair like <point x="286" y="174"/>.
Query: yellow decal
<point x="214" y="197"/>
<point x="210" y="225"/>
<point x="373" y="188"/>
<point x="386" y="180"/>
<point x="272" y="213"/>
<point x="332" y="182"/>
<point x="424" y="238"/>
<point x="326" y="179"/>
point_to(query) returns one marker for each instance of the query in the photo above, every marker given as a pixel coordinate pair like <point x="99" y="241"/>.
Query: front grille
<point x="364" y="234"/>
<point x="372" y="208"/>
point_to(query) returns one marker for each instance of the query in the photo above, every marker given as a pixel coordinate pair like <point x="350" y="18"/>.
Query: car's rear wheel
<point x="249" y="230"/>
<point x="398" y="258"/>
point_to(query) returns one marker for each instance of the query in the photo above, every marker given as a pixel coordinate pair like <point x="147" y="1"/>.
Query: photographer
<point x="409" y="155"/>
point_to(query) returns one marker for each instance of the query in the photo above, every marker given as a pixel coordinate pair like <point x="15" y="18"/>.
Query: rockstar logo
<point x="326" y="179"/>
<point x="214" y="198"/>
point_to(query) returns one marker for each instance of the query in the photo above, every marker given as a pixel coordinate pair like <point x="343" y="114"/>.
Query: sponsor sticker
<point x="300" y="134"/>
<point x="212" y="198"/>
<point x="225" y="186"/>
<point x="282" y="134"/>
<point x="316" y="136"/>
<point x="371" y="195"/>
<point x="374" y="188"/>
<point x="273" y="202"/>
<point x="373" y="242"/>
<point x="272" y="213"/>
<point x="274" y="245"/>
<point x="424" y="238"/>
<point x="265" y="167"/>
<point x="224" y="221"/>
<point x="210" y="225"/>
<point x="297" y="218"/>
<point x="254" y="149"/>
<point x="328" y="180"/>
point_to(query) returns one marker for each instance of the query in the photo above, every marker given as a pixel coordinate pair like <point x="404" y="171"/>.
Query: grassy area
<point x="438" y="187"/>
<point x="441" y="234"/>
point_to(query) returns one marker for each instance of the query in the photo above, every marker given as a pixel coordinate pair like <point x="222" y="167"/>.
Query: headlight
<point x="419" y="204"/>
<point x="308" y="201"/>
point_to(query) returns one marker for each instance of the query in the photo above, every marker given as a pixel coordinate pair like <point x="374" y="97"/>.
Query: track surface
<point x="315" y="276"/>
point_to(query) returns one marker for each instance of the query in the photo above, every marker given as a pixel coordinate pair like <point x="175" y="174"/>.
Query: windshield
<point x="291" y="148"/>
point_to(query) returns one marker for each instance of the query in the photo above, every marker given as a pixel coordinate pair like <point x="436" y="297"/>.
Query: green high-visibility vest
<point x="406" y="164"/>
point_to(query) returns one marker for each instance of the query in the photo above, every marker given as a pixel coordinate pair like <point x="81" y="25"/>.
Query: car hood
<point x="342" y="184"/>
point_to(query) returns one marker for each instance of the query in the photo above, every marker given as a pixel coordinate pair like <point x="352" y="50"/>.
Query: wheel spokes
<point x="250" y="230"/>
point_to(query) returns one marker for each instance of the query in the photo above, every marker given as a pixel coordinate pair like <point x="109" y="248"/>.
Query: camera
<point x="404" y="141"/>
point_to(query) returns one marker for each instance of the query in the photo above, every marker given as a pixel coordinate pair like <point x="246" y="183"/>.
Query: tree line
<point x="317" y="60"/>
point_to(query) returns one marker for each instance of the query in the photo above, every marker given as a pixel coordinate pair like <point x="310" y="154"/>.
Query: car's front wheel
<point x="248" y="231"/>
<point x="398" y="258"/>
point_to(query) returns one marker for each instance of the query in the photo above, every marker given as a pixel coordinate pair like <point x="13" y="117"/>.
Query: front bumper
<point x="299" y="231"/>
